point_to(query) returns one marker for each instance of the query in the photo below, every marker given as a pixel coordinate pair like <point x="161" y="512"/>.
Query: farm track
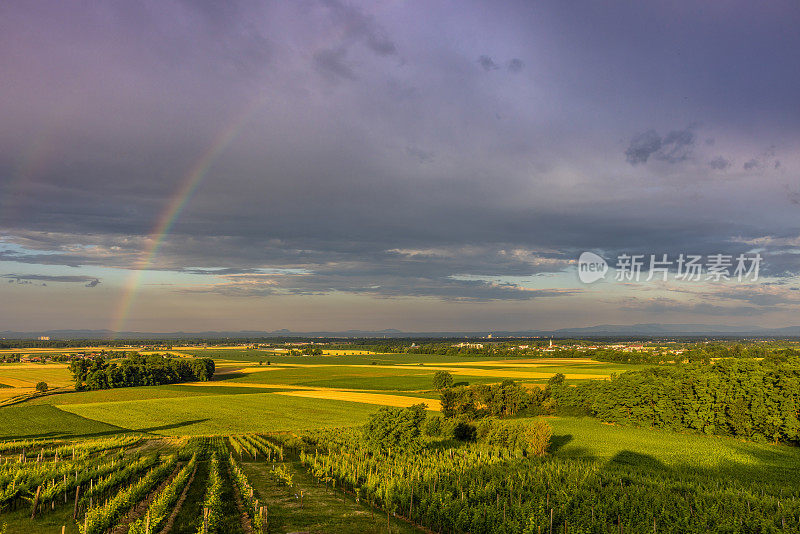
<point x="171" y="520"/>
<point x="141" y="507"/>
<point x="247" y="525"/>
<point x="324" y="510"/>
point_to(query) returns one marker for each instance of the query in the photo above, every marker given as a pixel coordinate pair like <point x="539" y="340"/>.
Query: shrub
<point x="530" y="438"/>
<point x="465" y="432"/>
<point x="393" y="428"/>
<point x="433" y="426"/>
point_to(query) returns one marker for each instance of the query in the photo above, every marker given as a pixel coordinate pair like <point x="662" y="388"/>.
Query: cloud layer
<point x="395" y="151"/>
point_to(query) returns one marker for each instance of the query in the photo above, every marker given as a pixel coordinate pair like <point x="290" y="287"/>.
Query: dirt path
<point x="247" y="525"/>
<point x="141" y="507"/>
<point x="181" y="499"/>
<point x="323" y="511"/>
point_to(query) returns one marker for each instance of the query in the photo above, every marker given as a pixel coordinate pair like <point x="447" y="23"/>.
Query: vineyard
<point x="478" y="489"/>
<point x="258" y="484"/>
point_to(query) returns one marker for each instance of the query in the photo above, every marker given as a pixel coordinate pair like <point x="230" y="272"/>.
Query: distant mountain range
<point x="607" y="330"/>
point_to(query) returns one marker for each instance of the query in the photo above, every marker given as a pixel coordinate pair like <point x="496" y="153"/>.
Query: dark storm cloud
<point x="399" y="179"/>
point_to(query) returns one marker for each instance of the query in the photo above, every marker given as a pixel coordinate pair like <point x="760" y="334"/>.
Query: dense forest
<point x="139" y="371"/>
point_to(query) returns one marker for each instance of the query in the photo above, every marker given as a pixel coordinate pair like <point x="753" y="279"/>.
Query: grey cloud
<point x="381" y="46"/>
<point x="332" y="63"/>
<point x="643" y="146"/>
<point x="487" y="63"/>
<point x="719" y="163"/>
<point x="674" y="147"/>
<point x="751" y="164"/>
<point x="381" y="286"/>
<point x="328" y="180"/>
<point x="361" y="27"/>
<point x="221" y="272"/>
<point x="516" y="65"/>
<point x="29" y="278"/>
<point x="677" y="145"/>
<point x="355" y="27"/>
<point x="660" y="305"/>
<point x="422" y="155"/>
<point x="763" y="161"/>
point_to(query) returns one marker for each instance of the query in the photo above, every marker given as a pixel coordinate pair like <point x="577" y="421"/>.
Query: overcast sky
<point x="422" y="166"/>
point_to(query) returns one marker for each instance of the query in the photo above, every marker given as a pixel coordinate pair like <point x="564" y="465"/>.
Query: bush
<point x="393" y="428"/>
<point x="41" y="387"/>
<point x="433" y="426"/>
<point x="530" y="438"/>
<point x="465" y="432"/>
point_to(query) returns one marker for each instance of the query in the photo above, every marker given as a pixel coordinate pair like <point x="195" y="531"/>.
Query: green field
<point x="22" y="422"/>
<point x="586" y="438"/>
<point x="222" y="414"/>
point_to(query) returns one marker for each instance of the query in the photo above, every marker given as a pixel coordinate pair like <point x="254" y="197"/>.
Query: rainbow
<point x="189" y="184"/>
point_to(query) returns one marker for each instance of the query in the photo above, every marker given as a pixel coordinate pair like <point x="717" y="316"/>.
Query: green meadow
<point x="223" y="414"/>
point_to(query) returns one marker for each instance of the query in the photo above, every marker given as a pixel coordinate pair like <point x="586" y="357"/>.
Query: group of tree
<point x="402" y="430"/>
<point x="507" y="398"/>
<point x="744" y="397"/>
<point x="137" y="370"/>
<point x="391" y="429"/>
<point x="306" y="351"/>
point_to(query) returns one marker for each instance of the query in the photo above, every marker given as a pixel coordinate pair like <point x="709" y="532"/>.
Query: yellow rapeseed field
<point x="382" y="399"/>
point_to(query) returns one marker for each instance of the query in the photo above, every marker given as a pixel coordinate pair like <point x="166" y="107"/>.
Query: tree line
<point x="139" y="370"/>
<point x="753" y="399"/>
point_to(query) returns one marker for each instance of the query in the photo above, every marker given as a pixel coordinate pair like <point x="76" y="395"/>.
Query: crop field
<point x="28" y="374"/>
